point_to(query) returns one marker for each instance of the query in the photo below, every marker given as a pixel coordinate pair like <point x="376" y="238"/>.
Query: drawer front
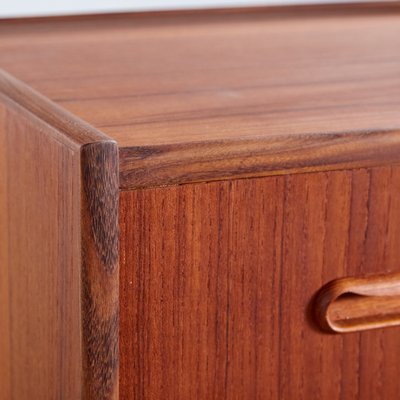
<point x="218" y="279"/>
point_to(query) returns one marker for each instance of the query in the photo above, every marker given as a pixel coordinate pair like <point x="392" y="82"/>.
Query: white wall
<point x="16" y="8"/>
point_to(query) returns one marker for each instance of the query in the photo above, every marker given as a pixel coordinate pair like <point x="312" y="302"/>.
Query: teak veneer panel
<point x="217" y="279"/>
<point x="59" y="252"/>
<point x="198" y="96"/>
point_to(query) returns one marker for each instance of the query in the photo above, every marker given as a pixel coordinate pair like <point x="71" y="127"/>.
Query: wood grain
<point x="100" y="270"/>
<point x="40" y="229"/>
<point x="208" y="161"/>
<point x="217" y="282"/>
<point x="197" y="96"/>
<point x="218" y="278"/>
<point x="58" y="259"/>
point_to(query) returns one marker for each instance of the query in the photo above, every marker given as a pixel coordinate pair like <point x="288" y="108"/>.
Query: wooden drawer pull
<point x="357" y="304"/>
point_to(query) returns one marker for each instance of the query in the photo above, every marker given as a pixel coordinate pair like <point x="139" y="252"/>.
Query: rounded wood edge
<point x="379" y="285"/>
<point x="100" y="270"/>
<point x="70" y="127"/>
<point x="196" y="162"/>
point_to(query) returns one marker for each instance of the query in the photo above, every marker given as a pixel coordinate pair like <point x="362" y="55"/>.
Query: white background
<point x="20" y="8"/>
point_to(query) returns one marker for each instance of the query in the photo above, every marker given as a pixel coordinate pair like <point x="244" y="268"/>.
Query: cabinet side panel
<point x="217" y="281"/>
<point x="39" y="261"/>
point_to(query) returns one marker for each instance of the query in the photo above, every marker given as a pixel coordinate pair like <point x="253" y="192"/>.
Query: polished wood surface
<point x="218" y="281"/>
<point x="58" y="259"/>
<point x="200" y="96"/>
<point x="356" y="304"/>
<point x="39" y="322"/>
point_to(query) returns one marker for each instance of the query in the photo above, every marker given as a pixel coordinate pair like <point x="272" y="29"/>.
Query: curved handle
<point x="357" y="304"/>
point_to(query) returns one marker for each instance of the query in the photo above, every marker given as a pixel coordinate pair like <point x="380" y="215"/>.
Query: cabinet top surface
<point x="198" y="77"/>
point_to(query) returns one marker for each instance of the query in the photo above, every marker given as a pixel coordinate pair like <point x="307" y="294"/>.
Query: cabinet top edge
<point x="200" y="95"/>
<point x="166" y="165"/>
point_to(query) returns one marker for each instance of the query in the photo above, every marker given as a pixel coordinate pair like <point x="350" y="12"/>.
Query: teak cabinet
<point x="201" y="205"/>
